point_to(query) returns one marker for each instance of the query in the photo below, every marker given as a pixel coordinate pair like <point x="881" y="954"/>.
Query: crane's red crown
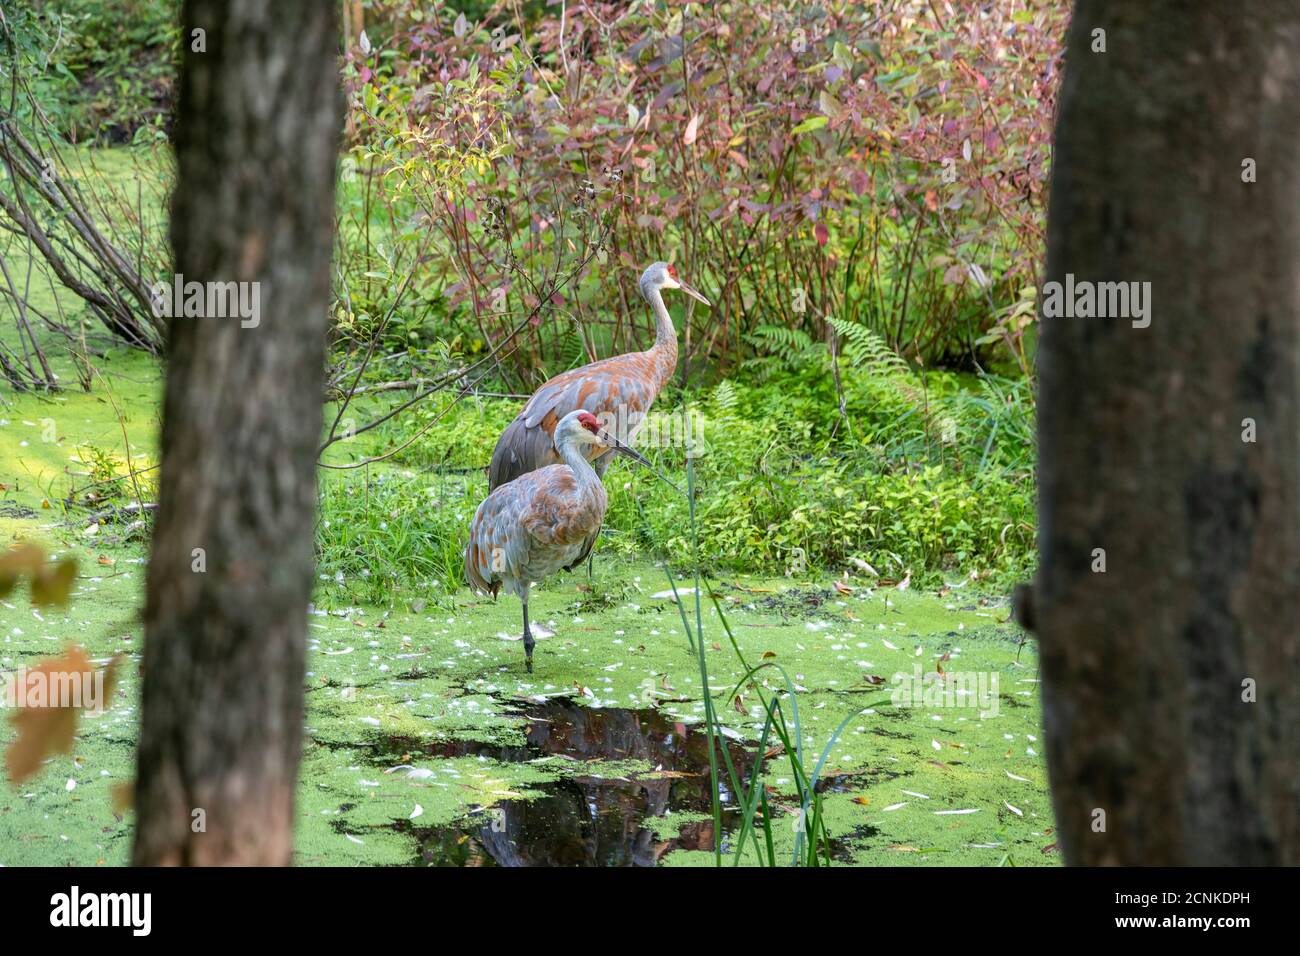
<point x="589" y="422"/>
<point x="672" y="270"/>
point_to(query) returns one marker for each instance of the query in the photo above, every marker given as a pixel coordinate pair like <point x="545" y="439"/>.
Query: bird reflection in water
<point x="590" y="821"/>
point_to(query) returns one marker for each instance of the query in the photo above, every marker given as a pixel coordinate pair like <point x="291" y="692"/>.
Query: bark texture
<point x="1141" y="440"/>
<point x="258" y="121"/>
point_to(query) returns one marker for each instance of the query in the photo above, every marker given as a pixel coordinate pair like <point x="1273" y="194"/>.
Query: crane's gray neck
<point x="664" y="352"/>
<point x="665" y="332"/>
<point x="589" y="483"/>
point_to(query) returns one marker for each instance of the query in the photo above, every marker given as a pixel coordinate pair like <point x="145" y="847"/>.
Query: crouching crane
<point x="544" y="520"/>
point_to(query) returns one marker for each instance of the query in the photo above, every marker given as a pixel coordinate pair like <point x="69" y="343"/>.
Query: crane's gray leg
<point x="529" y="643"/>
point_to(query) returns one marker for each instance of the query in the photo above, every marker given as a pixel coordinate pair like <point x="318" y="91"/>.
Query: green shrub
<point x="110" y="78"/>
<point x="772" y="499"/>
<point x="462" y="438"/>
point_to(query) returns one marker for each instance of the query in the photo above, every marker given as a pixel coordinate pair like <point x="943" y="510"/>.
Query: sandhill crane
<point x="544" y="520"/>
<point x="613" y="389"/>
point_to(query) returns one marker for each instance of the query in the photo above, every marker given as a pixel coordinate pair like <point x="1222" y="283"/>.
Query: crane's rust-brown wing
<point x="629" y="382"/>
<point x="556" y="514"/>
<point x="540" y="510"/>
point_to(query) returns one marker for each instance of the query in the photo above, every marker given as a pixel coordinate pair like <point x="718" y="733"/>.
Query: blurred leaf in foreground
<point x="51" y="583"/>
<point x="47" y="701"/>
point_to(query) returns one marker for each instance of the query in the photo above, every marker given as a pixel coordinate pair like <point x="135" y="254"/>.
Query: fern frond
<point x="724" y="398"/>
<point x="868" y="349"/>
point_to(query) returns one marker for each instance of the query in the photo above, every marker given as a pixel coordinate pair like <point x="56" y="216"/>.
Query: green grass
<point x="396" y="533"/>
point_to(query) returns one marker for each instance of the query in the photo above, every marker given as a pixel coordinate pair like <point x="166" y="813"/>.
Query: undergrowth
<point x="927" y="475"/>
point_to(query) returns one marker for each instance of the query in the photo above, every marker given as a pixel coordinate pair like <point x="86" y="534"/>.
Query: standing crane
<point x="544" y="520"/>
<point x="613" y="389"/>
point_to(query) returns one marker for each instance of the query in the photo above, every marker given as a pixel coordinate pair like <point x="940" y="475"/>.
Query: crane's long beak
<point x="693" y="294"/>
<point x="635" y="455"/>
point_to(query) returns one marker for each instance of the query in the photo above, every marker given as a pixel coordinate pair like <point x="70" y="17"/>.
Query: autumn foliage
<point x="882" y="163"/>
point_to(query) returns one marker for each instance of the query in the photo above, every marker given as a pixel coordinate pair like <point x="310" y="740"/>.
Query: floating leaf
<point x="123" y="795"/>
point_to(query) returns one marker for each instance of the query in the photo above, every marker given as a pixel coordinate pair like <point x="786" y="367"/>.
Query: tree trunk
<point x="231" y="570"/>
<point x="1171" y="680"/>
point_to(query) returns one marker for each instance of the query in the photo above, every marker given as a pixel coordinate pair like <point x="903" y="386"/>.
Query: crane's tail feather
<point x="474" y="570"/>
<point x="519" y="450"/>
